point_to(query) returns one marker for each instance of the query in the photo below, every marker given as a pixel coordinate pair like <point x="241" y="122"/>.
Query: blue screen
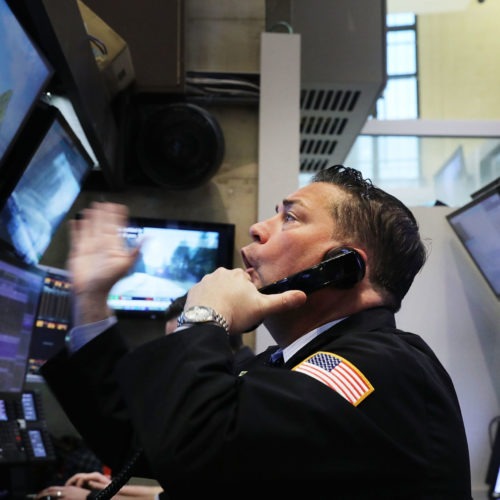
<point x="477" y="226"/>
<point x="44" y="194"/>
<point x="23" y="74"/>
<point x="20" y="288"/>
<point x="174" y="256"/>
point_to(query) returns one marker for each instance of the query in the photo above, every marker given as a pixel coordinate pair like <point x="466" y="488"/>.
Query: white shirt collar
<point x="294" y="347"/>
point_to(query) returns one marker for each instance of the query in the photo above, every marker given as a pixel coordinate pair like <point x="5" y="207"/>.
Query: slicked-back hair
<point x="381" y="224"/>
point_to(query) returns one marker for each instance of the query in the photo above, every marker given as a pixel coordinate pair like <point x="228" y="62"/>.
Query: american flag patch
<point x="338" y="374"/>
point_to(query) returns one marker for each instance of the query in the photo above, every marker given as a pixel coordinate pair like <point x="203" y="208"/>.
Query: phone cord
<point x="118" y="481"/>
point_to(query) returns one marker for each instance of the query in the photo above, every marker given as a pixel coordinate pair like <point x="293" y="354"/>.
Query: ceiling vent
<point x="343" y="70"/>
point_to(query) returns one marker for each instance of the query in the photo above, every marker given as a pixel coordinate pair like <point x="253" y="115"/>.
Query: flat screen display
<point x="37" y="444"/>
<point x="174" y="256"/>
<point x="477" y="226"/>
<point x="29" y="407"/>
<point x="53" y="320"/>
<point x="45" y="191"/>
<point x="3" y="411"/>
<point x="20" y="288"/>
<point x="23" y="75"/>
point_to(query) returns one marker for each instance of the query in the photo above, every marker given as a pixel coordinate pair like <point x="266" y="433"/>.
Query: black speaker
<point x="171" y="143"/>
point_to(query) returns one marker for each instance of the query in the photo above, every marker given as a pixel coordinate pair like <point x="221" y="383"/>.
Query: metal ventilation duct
<point x="343" y="70"/>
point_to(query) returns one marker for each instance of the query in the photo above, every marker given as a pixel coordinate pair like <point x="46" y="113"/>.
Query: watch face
<point x="198" y="314"/>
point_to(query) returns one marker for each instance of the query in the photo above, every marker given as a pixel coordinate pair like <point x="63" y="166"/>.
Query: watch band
<point x="202" y="314"/>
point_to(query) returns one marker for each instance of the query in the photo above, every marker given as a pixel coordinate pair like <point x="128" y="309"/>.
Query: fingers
<point x="233" y="295"/>
<point x="105" y="220"/>
<point x="284" y="301"/>
<point x="83" y="479"/>
<point x="63" y="492"/>
<point x="99" y="254"/>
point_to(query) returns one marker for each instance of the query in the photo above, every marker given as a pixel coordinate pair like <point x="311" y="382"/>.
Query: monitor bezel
<point x="44" y="80"/>
<point x="450" y="217"/>
<point x="225" y="250"/>
<point x="30" y="141"/>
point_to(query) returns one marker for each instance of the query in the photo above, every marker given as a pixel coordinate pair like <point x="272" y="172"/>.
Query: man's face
<point x="297" y="237"/>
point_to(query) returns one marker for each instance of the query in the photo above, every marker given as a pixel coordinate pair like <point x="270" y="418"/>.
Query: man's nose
<point x="260" y="231"/>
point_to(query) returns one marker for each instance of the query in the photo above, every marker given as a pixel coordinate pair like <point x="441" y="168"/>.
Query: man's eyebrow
<point x="287" y="203"/>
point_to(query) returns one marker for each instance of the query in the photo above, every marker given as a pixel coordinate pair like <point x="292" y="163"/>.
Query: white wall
<point x="453" y="309"/>
<point x="279" y="130"/>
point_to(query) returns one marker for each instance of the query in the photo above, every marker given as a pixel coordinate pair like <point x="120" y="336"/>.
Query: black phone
<point x="342" y="267"/>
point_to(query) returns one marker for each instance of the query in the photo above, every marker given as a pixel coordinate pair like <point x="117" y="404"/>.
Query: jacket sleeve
<point x="85" y="386"/>
<point x="197" y="419"/>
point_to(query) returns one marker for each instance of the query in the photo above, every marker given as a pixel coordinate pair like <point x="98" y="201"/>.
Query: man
<point x="358" y="408"/>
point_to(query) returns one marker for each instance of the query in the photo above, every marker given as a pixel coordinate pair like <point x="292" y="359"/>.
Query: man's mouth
<point x="250" y="268"/>
<point x="246" y="262"/>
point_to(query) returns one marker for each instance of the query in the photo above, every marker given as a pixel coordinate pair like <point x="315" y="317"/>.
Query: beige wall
<point x="456" y="49"/>
<point x="458" y="82"/>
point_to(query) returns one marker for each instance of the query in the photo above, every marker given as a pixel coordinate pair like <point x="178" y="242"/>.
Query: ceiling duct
<point x="343" y="70"/>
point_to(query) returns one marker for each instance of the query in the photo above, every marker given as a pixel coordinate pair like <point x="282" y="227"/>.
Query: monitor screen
<point x="20" y="288"/>
<point x="24" y="74"/>
<point x="53" y="320"/>
<point x="28" y="406"/>
<point x="174" y="256"/>
<point x="46" y="189"/>
<point x="477" y="226"/>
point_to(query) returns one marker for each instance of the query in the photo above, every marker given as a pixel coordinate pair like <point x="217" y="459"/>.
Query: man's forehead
<point x="313" y="195"/>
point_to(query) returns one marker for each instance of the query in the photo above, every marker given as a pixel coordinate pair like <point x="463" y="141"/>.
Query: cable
<point x="118" y="481"/>
<point x="282" y="24"/>
<point x="99" y="44"/>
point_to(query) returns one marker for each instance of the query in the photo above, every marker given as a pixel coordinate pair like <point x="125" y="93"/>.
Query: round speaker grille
<point x="180" y="146"/>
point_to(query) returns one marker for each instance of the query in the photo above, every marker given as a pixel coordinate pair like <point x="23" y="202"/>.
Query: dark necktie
<point x="276" y="358"/>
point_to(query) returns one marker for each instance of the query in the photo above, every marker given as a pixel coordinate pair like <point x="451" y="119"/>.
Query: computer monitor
<point x="20" y="288"/>
<point x="477" y="226"/>
<point x="23" y="76"/>
<point x="52" y="165"/>
<point x="54" y="319"/>
<point x="174" y="256"/>
<point x="59" y="30"/>
<point x="483" y="189"/>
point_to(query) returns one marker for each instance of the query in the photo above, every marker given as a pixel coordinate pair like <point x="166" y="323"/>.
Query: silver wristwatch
<point x="202" y="314"/>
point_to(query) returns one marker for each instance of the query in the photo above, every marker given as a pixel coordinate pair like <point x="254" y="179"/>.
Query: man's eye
<point x="288" y="217"/>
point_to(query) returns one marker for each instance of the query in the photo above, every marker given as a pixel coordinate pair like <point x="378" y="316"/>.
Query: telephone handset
<point x="342" y="267"/>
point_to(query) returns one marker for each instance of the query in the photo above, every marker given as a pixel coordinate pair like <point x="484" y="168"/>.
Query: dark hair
<point x="382" y="225"/>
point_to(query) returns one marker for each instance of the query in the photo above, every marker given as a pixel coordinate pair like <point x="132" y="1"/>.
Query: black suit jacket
<point x="204" y="422"/>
